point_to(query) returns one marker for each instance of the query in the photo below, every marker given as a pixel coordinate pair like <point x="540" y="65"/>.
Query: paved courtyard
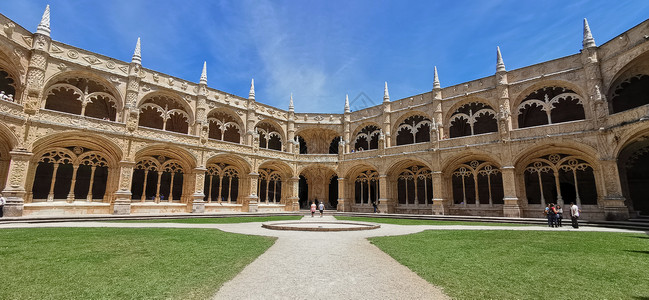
<point x="321" y="265"/>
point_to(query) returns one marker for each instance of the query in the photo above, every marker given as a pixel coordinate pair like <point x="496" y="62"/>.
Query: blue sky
<point x="322" y="50"/>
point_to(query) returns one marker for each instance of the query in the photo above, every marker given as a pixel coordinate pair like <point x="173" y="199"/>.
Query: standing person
<point x="312" y="209"/>
<point x="374" y="205"/>
<point x="574" y="214"/>
<point x="3" y="201"/>
<point x="321" y="208"/>
<point x="546" y="212"/>
<point x="552" y="215"/>
<point x="559" y="215"/>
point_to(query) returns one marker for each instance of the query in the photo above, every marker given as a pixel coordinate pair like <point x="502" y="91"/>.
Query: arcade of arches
<point x="87" y="134"/>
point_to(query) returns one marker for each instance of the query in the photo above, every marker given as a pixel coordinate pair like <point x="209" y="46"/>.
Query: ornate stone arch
<point x="476" y="114"/>
<point x="370" y="132"/>
<point x="83" y="93"/>
<point x="629" y="92"/>
<point x="271" y="135"/>
<point x="224" y="124"/>
<point x="566" y="103"/>
<point x="11" y="63"/>
<point x="161" y="109"/>
<point x="559" y="174"/>
<point x="418" y="125"/>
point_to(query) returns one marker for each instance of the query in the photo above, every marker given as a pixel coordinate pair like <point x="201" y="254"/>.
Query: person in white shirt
<point x="3" y="201"/>
<point x="321" y="208"/>
<point x="574" y="214"/>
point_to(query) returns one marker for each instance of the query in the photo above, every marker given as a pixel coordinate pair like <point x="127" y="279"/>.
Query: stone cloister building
<point x="89" y="134"/>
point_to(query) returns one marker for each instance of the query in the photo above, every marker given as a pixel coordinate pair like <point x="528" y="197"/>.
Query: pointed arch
<point x="166" y="111"/>
<point x="366" y="137"/>
<point x="225" y="125"/>
<point x="83" y="93"/>
<point x="471" y="117"/>
<point x="271" y="135"/>
<point x="548" y="102"/>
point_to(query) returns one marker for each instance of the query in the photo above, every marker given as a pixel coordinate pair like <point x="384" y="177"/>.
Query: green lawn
<point x="225" y="220"/>
<point x="121" y="263"/>
<point x="422" y="222"/>
<point x="527" y="264"/>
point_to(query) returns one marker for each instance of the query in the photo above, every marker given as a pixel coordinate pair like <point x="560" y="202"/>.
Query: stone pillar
<point x="385" y="203"/>
<point x="344" y="204"/>
<point x="122" y="204"/>
<point x="613" y="199"/>
<point x="293" y="203"/>
<point x="36" y="73"/>
<point x="511" y="207"/>
<point x="253" y="199"/>
<point x="198" y="204"/>
<point x="441" y="205"/>
<point x="14" y="190"/>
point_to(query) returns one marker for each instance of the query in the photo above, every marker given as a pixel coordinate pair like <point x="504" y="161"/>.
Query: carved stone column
<point x="613" y="199"/>
<point x="198" y="204"/>
<point x="122" y="204"/>
<point x="36" y="73"/>
<point x="441" y="205"/>
<point x="343" y="203"/>
<point x="385" y="204"/>
<point x="16" y="179"/>
<point x="511" y="207"/>
<point x="253" y="199"/>
<point x="293" y="203"/>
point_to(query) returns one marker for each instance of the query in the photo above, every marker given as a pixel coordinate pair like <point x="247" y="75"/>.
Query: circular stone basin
<point x="320" y="226"/>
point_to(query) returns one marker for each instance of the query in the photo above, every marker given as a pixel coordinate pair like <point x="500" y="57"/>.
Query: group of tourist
<point x="320" y="207"/>
<point x="6" y="97"/>
<point x="554" y="214"/>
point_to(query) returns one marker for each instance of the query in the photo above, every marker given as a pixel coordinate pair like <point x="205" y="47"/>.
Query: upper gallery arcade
<point x="81" y="133"/>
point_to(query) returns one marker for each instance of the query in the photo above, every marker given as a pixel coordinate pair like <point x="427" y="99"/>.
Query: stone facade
<point x="89" y="134"/>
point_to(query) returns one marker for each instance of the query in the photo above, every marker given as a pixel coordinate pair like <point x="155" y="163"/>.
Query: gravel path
<point x="321" y="265"/>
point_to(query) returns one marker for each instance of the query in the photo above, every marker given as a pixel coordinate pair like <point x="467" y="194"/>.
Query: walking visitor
<point x="3" y="201"/>
<point x="321" y="208"/>
<point x="312" y="209"/>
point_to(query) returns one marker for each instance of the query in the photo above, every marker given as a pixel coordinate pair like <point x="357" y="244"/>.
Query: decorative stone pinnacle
<point x="203" y="79"/>
<point x="44" y="26"/>
<point x="251" y="95"/>
<point x="346" y="103"/>
<point x="589" y="41"/>
<point x="290" y="104"/>
<point x="137" y="55"/>
<point x="500" y="65"/>
<point x="436" y="84"/>
<point x="386" y="95"/>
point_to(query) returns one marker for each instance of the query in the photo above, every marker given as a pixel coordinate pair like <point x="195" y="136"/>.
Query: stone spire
<point x="251" y="95"/>
<point x="203" y="79"/>
<point x="589" y="41"/>
<point x="386" y="95"/>
<point x="436" y="84"/>
<point x="347" y="103"/>
<point x="290" y="104"/>
<point x="137" y="55"/>
<point x="500" y="65"/>
<point x="44" y="26"/>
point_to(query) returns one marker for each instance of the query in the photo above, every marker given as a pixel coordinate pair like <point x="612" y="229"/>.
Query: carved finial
<point x="500" y="65"/>
<point x="203" y="79"/>
<point x="436" y="84"/>
<point x="44" y="26"/>
<point x="386" y="95"/>
<point x="251" y="95"/>
<point x="137" y="55"/>
<point x="347" y="103"/>
<point x="290" y="104"/>
<point x="589" y="41"/>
